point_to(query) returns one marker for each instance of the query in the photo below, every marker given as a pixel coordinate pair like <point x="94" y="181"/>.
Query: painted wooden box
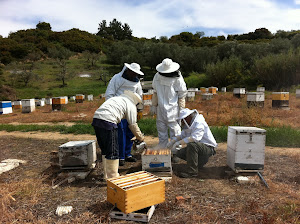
<point x="135" y="191"/>
<point x="78" y="155"/>
<point x="156" y="160"/>
<point x="28" y="105"/>
<point x="5" y="107"/>
<point x="246" y="148"/>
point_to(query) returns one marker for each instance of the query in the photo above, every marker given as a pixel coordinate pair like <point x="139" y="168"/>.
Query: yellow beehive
<point x="135" y="191"/>
<point x="58" y="100"/>
<point x="203" y="90"/>
<point x="212" y="90"/>
<point x="280" y="96"/>
<point x="147" y="96"/>
<point x="280" y="100"/>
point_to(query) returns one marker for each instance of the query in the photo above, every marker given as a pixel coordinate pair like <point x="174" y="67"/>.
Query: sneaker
<point x="187" y="175"/>
<point x="121" y="162"/>
<point x="130" y="159"/>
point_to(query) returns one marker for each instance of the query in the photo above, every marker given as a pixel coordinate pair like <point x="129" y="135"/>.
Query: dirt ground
<point x="26" y="194"/>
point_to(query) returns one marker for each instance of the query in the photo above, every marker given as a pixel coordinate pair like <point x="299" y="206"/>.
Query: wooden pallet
<point x="143" y="215"/>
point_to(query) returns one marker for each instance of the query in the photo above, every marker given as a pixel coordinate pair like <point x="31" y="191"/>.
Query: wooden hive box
<point x="135" y="191"/>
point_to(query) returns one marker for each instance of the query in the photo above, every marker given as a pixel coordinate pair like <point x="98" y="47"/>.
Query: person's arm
<point x="131" y="116"/>
<point x="112" y="88"/>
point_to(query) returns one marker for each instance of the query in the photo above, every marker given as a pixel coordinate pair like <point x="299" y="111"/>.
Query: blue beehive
<point x="5" y="107"/>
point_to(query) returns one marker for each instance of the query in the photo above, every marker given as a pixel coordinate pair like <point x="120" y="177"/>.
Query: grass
<point x="277" y="137"/>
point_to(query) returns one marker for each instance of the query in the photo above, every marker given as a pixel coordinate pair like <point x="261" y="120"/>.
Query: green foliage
<point x="148" y="126"/>
<point x="115" y="31"/>
<point x="196" y="80"/>
<point x="43" y="26"/>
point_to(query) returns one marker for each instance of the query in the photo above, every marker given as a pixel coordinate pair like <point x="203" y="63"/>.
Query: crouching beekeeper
<point x="196" y="140"/>
<point x="105" y="123"/>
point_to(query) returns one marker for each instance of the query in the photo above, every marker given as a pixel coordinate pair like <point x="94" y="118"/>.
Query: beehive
<point x="90" y="97"/>
<point x="79" y="98"/>
<point x="256" y="99"/>
<point x="280" y="100"/>
<point x="147" y="96"/>
<point x="39" y="102"/>
<point x="48" y="101"/>
<point x="28" y="105"/>
<point x="17" y="104"/>
<point x="260" y="89"/>
<point x="297" y="93"/>
<point x="78" y="155"/>
<point x="239" y="92"/>
<point x="135" y="191"/>
<point x="223" y="89"/>
<point x="156" y="160"/>
<point x="66" y="99"/>
<point x="190" y="95"/>
<point x="57" y="102"/>
<point x="5" y="107"/>
<point x="212" y="90"/>
<point x="246" y="148"/>
<point x="207" y="96"/>
<point x="203" y="90"/>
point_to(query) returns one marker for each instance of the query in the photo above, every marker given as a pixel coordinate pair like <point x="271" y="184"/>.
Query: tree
<point x="43" y="26"/>
<point x="199" y="34"/>
<point x="115" y="31"/>
<point x="61" y="55"/>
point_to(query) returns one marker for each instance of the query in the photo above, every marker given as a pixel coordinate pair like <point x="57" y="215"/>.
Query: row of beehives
<point x="29" y="105"/>
<point x="135" y="191"/>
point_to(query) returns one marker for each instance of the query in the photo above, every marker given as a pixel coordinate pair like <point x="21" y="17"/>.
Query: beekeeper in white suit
<point x="127" y="79"/>
<point x="196" y="140"/>
<point x="105" y="121"/>
<point x="169" y="97"/>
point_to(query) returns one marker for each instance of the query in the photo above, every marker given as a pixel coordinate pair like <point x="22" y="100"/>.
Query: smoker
<point x="78" y="155"/>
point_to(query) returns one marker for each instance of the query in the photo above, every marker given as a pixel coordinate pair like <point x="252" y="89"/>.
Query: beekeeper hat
<point x="185" y="113"/>
<point x="134" y="96"/>
<point x="167" y="66"/>
<point x="135" y="67"/>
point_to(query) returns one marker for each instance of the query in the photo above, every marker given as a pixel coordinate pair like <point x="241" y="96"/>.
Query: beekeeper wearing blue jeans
<point x="168" y="98"/>
<point x="196" y="140"/>
<point x="127" y="79"/>
<point x="105" y="121"/>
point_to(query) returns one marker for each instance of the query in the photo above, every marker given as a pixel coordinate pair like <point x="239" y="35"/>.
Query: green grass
<point x="277" y="137"/>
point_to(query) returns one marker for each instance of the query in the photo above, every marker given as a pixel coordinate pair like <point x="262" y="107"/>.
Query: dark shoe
<point x="130" y="159"/>
<point x="175" y="159"/>
<point x="121" y="162"/>
<point x="187" y="175"/>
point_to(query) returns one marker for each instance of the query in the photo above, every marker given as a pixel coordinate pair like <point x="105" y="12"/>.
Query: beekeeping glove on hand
<point x="134" y="128"/>
<point x="181" y="103"/>
<point x="174" y="139"/>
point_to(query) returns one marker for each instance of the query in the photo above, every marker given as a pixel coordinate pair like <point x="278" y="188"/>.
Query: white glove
<point x="171" y="143"/>
<point x="134" y="128"/>
<point x="175" y="145"/>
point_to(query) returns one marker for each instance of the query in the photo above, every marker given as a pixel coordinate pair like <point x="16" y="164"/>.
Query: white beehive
<point x="90" y="97"/>
<point x="39" y="102"/>
<point x="157" y="160"/>
<point x="78" y="155"/>
<point x="246" y="148"/>
<point x="28" y="105"/>
<point x="207" y="96"/>
<point x="260" y="89"/>
<point x="5" y="107"/>
<point x="255" y="99"/>
<point x="72" y="98"/>
<point x="223" y="89"/>
<point x="239" y="92"/>
<point x="48" y="101"/>
<point x="297" y="93"/>
<point x="191" y="95"/>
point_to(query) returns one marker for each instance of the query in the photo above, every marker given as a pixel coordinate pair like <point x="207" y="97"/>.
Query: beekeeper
<point x="127" y="79"/>
<point x="169" y="98"/>
<point x="105" y="121"/>
<point x="196" y="140"/>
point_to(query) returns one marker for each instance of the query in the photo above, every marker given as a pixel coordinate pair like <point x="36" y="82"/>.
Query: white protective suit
<point x="117" y="85"/>
<point x="122" y="107"/>
<point x="168" y="90"/>
<point x="198" y="131"/>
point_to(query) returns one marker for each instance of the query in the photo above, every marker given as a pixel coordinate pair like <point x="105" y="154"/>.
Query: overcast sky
<point x="153" y="18"/>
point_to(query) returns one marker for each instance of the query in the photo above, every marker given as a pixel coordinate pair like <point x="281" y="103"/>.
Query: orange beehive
<point x="147" y="96"/>
<point x="58" y="100"/>
<point x="212" y="90"/>
<point x="135" y="191"/>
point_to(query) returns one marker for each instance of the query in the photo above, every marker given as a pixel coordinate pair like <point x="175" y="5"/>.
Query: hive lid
<point x="241" y="129"/>
<point x="76" y="143"/>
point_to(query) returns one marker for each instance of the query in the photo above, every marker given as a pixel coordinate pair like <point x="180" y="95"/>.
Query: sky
<point x="153" y="18"/>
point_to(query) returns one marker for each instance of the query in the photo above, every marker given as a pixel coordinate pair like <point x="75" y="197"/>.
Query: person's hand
<point x="175" y="145"/>
<point x="171" y="143"/>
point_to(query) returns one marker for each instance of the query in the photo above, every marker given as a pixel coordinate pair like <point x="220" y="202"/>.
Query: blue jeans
<point x="124" y="139"/>
<point x="108" y="142"/>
